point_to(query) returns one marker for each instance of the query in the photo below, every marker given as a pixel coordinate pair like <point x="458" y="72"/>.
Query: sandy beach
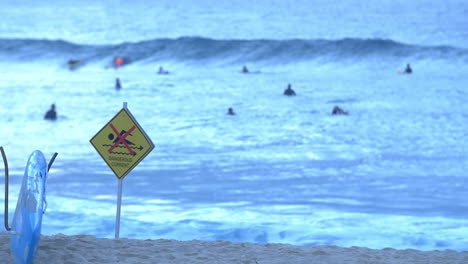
<point x="62" y="249"/>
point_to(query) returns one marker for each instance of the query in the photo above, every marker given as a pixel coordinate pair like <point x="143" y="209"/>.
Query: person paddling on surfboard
<point x="338" y="111"/>
<point x="74" y="64"/>
<point x="162" y="71"/>
<point x="289" y="91"/>
<point x="245" y="70"/>
<point x="51" y="114"/>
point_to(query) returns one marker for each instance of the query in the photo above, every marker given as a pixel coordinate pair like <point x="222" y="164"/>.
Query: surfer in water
<point x="408" y="69"/>
<point x="73" y="64"/>
<point x="338" y="111"/>
<point x="245" y="70"/>
<point x="118" y="62"/>
<point x="230" y="111"/>
<point x="289" y="91"/>
<point x="118" y="86"/>
<point x="162" y="71"/>
<point x="51" y="114"/>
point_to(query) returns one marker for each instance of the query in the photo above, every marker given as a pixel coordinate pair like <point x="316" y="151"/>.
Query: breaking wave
<point x="198" y="48"/>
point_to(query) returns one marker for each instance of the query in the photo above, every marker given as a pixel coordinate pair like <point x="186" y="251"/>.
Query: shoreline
<point x="81" y="249"/>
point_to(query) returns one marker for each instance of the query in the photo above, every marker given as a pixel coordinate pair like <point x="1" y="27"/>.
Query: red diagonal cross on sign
<point x="121" y="139"/>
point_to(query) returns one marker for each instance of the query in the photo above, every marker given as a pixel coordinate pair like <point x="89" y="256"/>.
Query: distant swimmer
<point x="245" y="70"/>
<point x="230" y="111"/>
<point x="289" y="91"/>
<point x="408" y="69"/>
<point x="338" y="111"/>
<point x="118" y="85"/>
<point x="162" y="71"/>
<point x="51" y="114"/>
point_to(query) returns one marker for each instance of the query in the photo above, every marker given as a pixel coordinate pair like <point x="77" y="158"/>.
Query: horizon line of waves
<point x="233" y="50"/>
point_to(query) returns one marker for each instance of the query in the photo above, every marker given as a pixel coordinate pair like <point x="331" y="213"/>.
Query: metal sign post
<point x="119" y="198"/>
<point x="119" y="203"/>
<point x="122" y="144"/>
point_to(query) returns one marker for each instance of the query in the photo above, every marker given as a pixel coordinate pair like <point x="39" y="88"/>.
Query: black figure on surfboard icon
<point x="120" y="141"/>
<point x="122" y="132"/>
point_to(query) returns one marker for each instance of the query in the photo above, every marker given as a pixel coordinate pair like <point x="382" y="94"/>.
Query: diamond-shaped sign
<point x="122" y="143"/>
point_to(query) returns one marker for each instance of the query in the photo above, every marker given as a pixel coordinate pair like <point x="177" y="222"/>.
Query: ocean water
<point x="283" y="170"/>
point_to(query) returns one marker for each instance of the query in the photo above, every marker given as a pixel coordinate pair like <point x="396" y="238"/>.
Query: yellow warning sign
<point x="122" y="143"/>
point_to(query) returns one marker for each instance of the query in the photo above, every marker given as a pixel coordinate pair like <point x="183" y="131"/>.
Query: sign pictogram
<point x="122" y="143"/>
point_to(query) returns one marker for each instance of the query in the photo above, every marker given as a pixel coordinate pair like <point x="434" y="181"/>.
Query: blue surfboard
<point x="27" y="221"/>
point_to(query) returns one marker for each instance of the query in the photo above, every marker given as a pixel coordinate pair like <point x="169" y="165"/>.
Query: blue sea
<point x="392" y="173"/>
